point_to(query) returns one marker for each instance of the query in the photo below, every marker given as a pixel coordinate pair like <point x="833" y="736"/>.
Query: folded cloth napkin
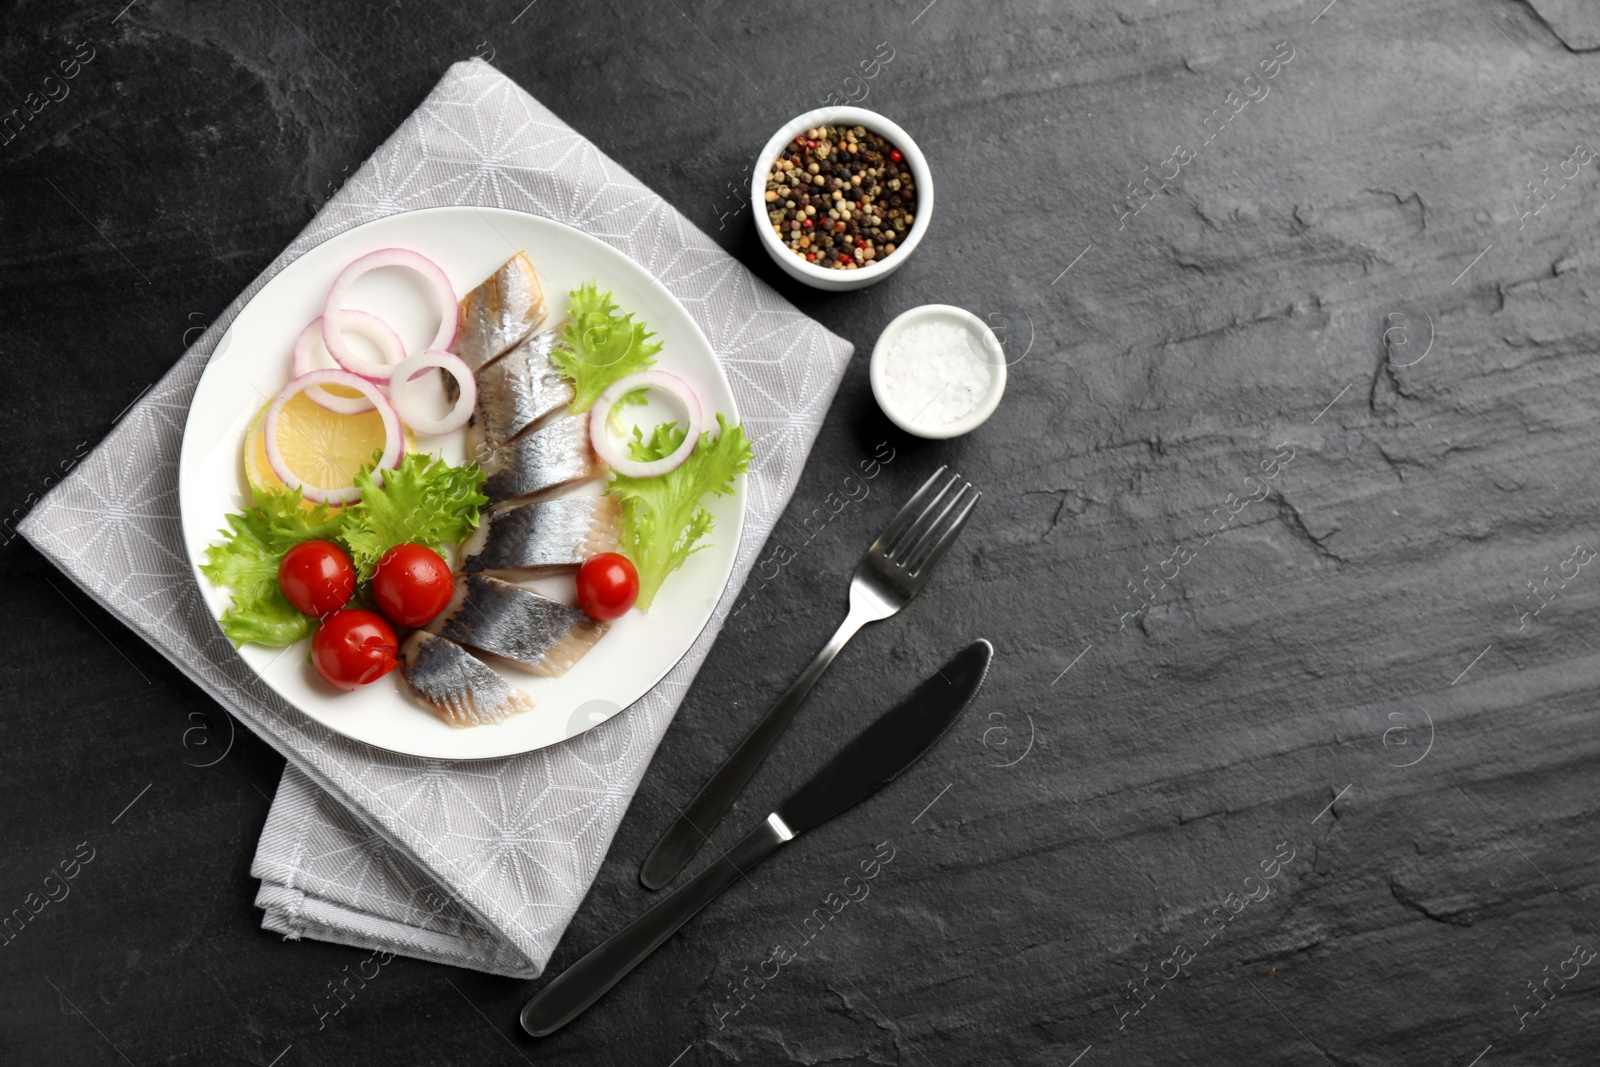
<point x="482" y="864"/>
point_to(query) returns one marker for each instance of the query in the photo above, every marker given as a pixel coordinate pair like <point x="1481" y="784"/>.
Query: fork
<point x="893" y="571"/>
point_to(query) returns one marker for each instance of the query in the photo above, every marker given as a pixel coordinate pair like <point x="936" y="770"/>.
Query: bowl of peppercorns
<point x="842" y="195"/>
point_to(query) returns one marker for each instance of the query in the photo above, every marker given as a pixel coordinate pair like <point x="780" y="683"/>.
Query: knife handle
<point x="587" y="981"/>
<point x="677" y="846"/>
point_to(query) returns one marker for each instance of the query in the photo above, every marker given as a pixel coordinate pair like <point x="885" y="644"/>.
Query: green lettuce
<point x="424" y="500"/>
<point x="663" y="441"/>
<point x="601" y="345"/>
<point x="246" y="563"/>
<point x="663" y="522"/>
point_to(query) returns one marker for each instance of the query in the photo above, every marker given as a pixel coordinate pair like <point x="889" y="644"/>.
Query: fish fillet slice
<point x="456" y="686"/>
<point x="515" y="392"/>
<point x="498" y="314"/>
<point x="545" y="636"/>
<point x="546" y="459"/>
<point x="538" y="538"/>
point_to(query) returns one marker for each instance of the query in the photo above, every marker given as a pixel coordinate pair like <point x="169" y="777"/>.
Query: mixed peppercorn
<point x="843" y="198"/>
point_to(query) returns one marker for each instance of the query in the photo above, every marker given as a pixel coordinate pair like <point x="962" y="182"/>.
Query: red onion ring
<point x="393" y="444"/>
<point x="407" y="374"/>
<point x="618" y="457"/>
<point x="386" y="257"/>
<point x="308" y="346"/>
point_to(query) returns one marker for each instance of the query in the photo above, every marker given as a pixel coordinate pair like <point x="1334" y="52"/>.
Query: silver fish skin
<point x="515" y="392"/>
<point x="498" y="314"/>
<point x="455" y="685"/>
<point x="546" y="536"/>
<point x="545" y="636"/>
<point x="544" y="460"/>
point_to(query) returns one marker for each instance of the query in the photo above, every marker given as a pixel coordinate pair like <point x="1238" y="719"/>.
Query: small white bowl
<point x="984" y="344"/>
<point x="823" y="277"/>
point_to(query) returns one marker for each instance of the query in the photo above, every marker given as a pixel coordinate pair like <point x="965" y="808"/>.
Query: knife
<point x="877" y="756"/>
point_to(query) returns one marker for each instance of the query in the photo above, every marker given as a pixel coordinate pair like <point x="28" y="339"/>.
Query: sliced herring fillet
<point x="545" y="636"/>
<point x="538" y="538"/>
<point x="455" y="685"/>
<point x="542" y="461"/>
<point x="515" y="393"/>
<point x="499" y="313"/>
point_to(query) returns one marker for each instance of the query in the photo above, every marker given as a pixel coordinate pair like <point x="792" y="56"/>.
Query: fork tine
<point x="921" y="567"/>
<point x="926" y="535"/>
<point x="906" y="515"/>
<point x="927" y="520"/>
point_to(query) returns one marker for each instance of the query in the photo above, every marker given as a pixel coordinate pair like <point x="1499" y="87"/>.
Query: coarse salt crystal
<point x="936" y="373"/>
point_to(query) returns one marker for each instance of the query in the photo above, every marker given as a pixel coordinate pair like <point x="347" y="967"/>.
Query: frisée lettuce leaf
<point x="246" y="563"/>
<point x="601" y="345"/>
<point x="663" y="522"/>
<point x="424" y="500"/>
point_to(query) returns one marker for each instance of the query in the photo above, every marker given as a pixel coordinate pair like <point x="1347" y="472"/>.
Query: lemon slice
<point x="321" y="447"/>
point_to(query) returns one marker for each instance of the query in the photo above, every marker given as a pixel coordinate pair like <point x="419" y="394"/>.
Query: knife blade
<point x="874" y="758"/>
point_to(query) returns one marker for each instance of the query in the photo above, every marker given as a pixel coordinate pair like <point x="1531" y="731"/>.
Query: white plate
<point x="251" y="364"/>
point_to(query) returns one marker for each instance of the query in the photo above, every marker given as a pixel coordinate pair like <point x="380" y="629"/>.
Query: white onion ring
<point x="617" y="457"/>
<point x="393" y="444"/>
<point x="404" y="380"/>
<point x="307" y="346"/>
<point x="386" y="257"/>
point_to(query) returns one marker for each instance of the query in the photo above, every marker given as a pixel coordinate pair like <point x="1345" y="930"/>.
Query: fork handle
<point x="695" y="824"/>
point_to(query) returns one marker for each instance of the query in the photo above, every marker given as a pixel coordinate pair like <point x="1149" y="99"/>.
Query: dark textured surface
<point x="1350" y="669"/>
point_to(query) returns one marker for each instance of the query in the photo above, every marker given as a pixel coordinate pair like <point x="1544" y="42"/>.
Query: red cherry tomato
<point x="412" y="584"/>
<point x="607" y="586"/>
<point x="317" y="577"/>
<point x="354" y="648"/>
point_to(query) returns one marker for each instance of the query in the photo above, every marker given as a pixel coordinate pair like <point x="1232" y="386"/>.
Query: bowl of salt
<point x="938" y="371"/>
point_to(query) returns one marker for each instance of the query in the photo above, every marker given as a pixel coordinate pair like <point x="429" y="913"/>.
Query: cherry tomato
<point x="412" y="584"/>
<point x="354" y="648"/>
<point x="607" y="586"/>
<point x="317" y="577"/>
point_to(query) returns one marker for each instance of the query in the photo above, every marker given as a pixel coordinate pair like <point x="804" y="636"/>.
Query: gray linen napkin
<point x="481" y="864"/>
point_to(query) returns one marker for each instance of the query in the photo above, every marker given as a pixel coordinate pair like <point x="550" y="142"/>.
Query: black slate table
<point x="1289" y="752"/>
